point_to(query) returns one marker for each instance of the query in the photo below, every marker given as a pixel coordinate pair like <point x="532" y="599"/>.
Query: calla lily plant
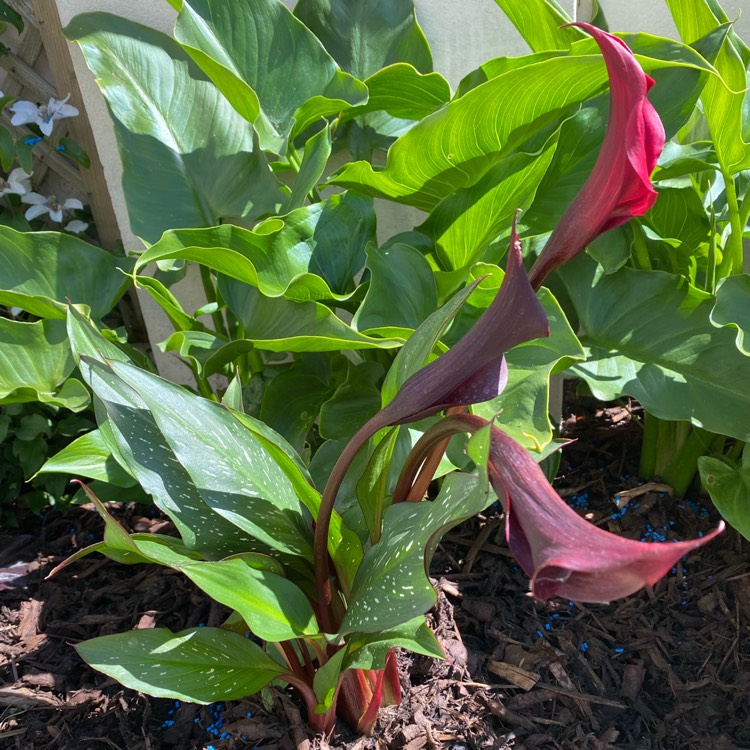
<point x="319" y="602"/>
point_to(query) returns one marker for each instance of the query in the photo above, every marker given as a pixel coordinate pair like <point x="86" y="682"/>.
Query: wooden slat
<point x="58" y="54"/>
<point x="27" y="76"/>
<point x="25" y="9"/>
<point x="29" y="51"/>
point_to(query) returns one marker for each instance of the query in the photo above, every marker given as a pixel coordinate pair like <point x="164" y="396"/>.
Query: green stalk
<point x="210" y="292"/>
<point x="684" y="466"/>
<point x="731" y="263"/>
<point x="313" y="194"/>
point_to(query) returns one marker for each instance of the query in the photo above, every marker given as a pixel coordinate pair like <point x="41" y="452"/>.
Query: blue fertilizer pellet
<point x="584" y="647"/>
<point x="540" y="634"/>
<point x="619" y="650"/>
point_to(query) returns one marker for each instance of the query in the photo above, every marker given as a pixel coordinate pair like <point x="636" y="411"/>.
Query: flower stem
<point x="731" y="263"/>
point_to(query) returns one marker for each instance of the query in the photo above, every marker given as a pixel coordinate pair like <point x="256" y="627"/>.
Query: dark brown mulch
<point x="665" y="669"/>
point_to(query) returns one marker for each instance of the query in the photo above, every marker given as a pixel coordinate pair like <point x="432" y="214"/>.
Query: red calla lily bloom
<point x="619" y="186"/>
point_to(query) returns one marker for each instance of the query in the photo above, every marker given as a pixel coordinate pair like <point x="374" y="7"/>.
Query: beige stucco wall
<point x="462" y="34"/>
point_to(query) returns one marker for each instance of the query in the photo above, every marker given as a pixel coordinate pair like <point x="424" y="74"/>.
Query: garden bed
<point x="665" y="668"/>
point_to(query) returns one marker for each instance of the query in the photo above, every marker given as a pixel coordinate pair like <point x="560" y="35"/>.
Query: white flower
<point x="50" y="205"/>
<point x="17" y="182"/>
<point x="76" y="226"/>
<point x="43" y="115"/>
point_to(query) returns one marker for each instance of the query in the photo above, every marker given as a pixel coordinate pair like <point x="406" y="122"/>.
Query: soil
<point x="664" y="669"/>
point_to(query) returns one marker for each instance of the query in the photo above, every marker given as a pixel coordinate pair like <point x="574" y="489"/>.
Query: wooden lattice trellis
<point x="41" y="46"/>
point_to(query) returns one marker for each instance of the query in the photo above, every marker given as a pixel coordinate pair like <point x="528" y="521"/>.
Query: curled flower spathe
<point x="619" y="186"/>
<point x="562" y="553"/>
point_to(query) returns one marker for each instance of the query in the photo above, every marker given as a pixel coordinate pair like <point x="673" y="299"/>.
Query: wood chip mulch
<point x="667" y="669"/>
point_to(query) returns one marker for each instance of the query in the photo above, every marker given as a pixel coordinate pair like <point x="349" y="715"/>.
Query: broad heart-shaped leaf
<point x="369" y="650"/>
<point x="258" y="53"/>
<point x="541" y="23"/>
<point x="281" y="325"/>
<point x="729" y="488"/>
<point x="200" y="665"/>
<point x="392" y="586"/>
<point x="364" y="37"/>
<point x="679" y="214"/>
<point x="402" y="289"/>
<point x="454" y="147"/>
<point x="88" y="456"/>
<point x="188" y="158"/>
<point x="464" y="223"/>
<point x="649" y="336"/>
<point x="40" y="271"/>
<point x="312" y="253"/>
<point x="722" y="98"/>
<point x="732" y="308"/>
<point x="35" y="360"/>
<point x="523" y="406"/>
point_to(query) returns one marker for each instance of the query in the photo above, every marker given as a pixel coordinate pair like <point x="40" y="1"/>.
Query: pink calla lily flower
<point x="619" y="186"/>
<point x="562" y="553"/>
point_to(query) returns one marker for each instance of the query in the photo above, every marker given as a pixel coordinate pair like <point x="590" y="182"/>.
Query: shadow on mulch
<point x="665" y="669"/>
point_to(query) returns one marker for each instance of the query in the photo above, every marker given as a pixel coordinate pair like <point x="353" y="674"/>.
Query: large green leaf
<point x="39" y="271"/>
<point x="402" y="289"/>
<point x="35" y="360"/>
<point x="88" y="456"/>
<point x="230" y="468"/>
<point x="729" y="488"/>
<point x="541" y="23"/>
<point x="454" y="147"/>
<point x="200" y="665"/>
<point x="392" y="586"/>
<point x="732" y="307"/>
<point x="722" y="97"/>
<point x="281" y="325"/>
<point x="364" y="37"/>
<point x="312" y="253"/>
<point x="369" y="650"/>
<point x="464" y="223"/>
<point x="274" y="608"/>
<point x="649" y="336"/>
<point x="264" y="60"/>
<point x="188" y="158"/>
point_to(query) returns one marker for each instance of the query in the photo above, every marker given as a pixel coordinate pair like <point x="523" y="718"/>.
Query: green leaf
<point x="9" y="15"/>
<point x="312" y="253"/>
<point x="314" y="160"/>
<point x="354" y="402"/>
<point x="373" y="484"/>
<point x="722" y="97"/>
<point x="649" y="336"/>
<point x="326" y="681"/>
<point x="369" y="650"/>
<point x="729" y="488"/>
<point x="402" y="289"/>
<point x="403" y="92"/>
<point x="732" y="309"/>
<point x="455" y="147"/>
<point x="292" y="401"/>
<point x="274" y="608"/>
<point x="88" y="456"/>
<point x="679" y="214"/>
<point x="540" y="23"/>
<point x="73" y="150"/>
<point x="392" y="586"/>
<point x="364" y="37"/>
<point x="39" y="271"/>
<point x="281" y="325"/>
<point x="7" y="149"/>
<point x="265" y="61"/>
<point x="200" y="665"/>
<point x="35" y="360"/>
<point x="184" y="148"/>
<point x="464" y="223"/>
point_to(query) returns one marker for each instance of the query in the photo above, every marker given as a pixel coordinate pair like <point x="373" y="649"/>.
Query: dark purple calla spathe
<point x="562" y="553"/>
<point x="619" y="186"/>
